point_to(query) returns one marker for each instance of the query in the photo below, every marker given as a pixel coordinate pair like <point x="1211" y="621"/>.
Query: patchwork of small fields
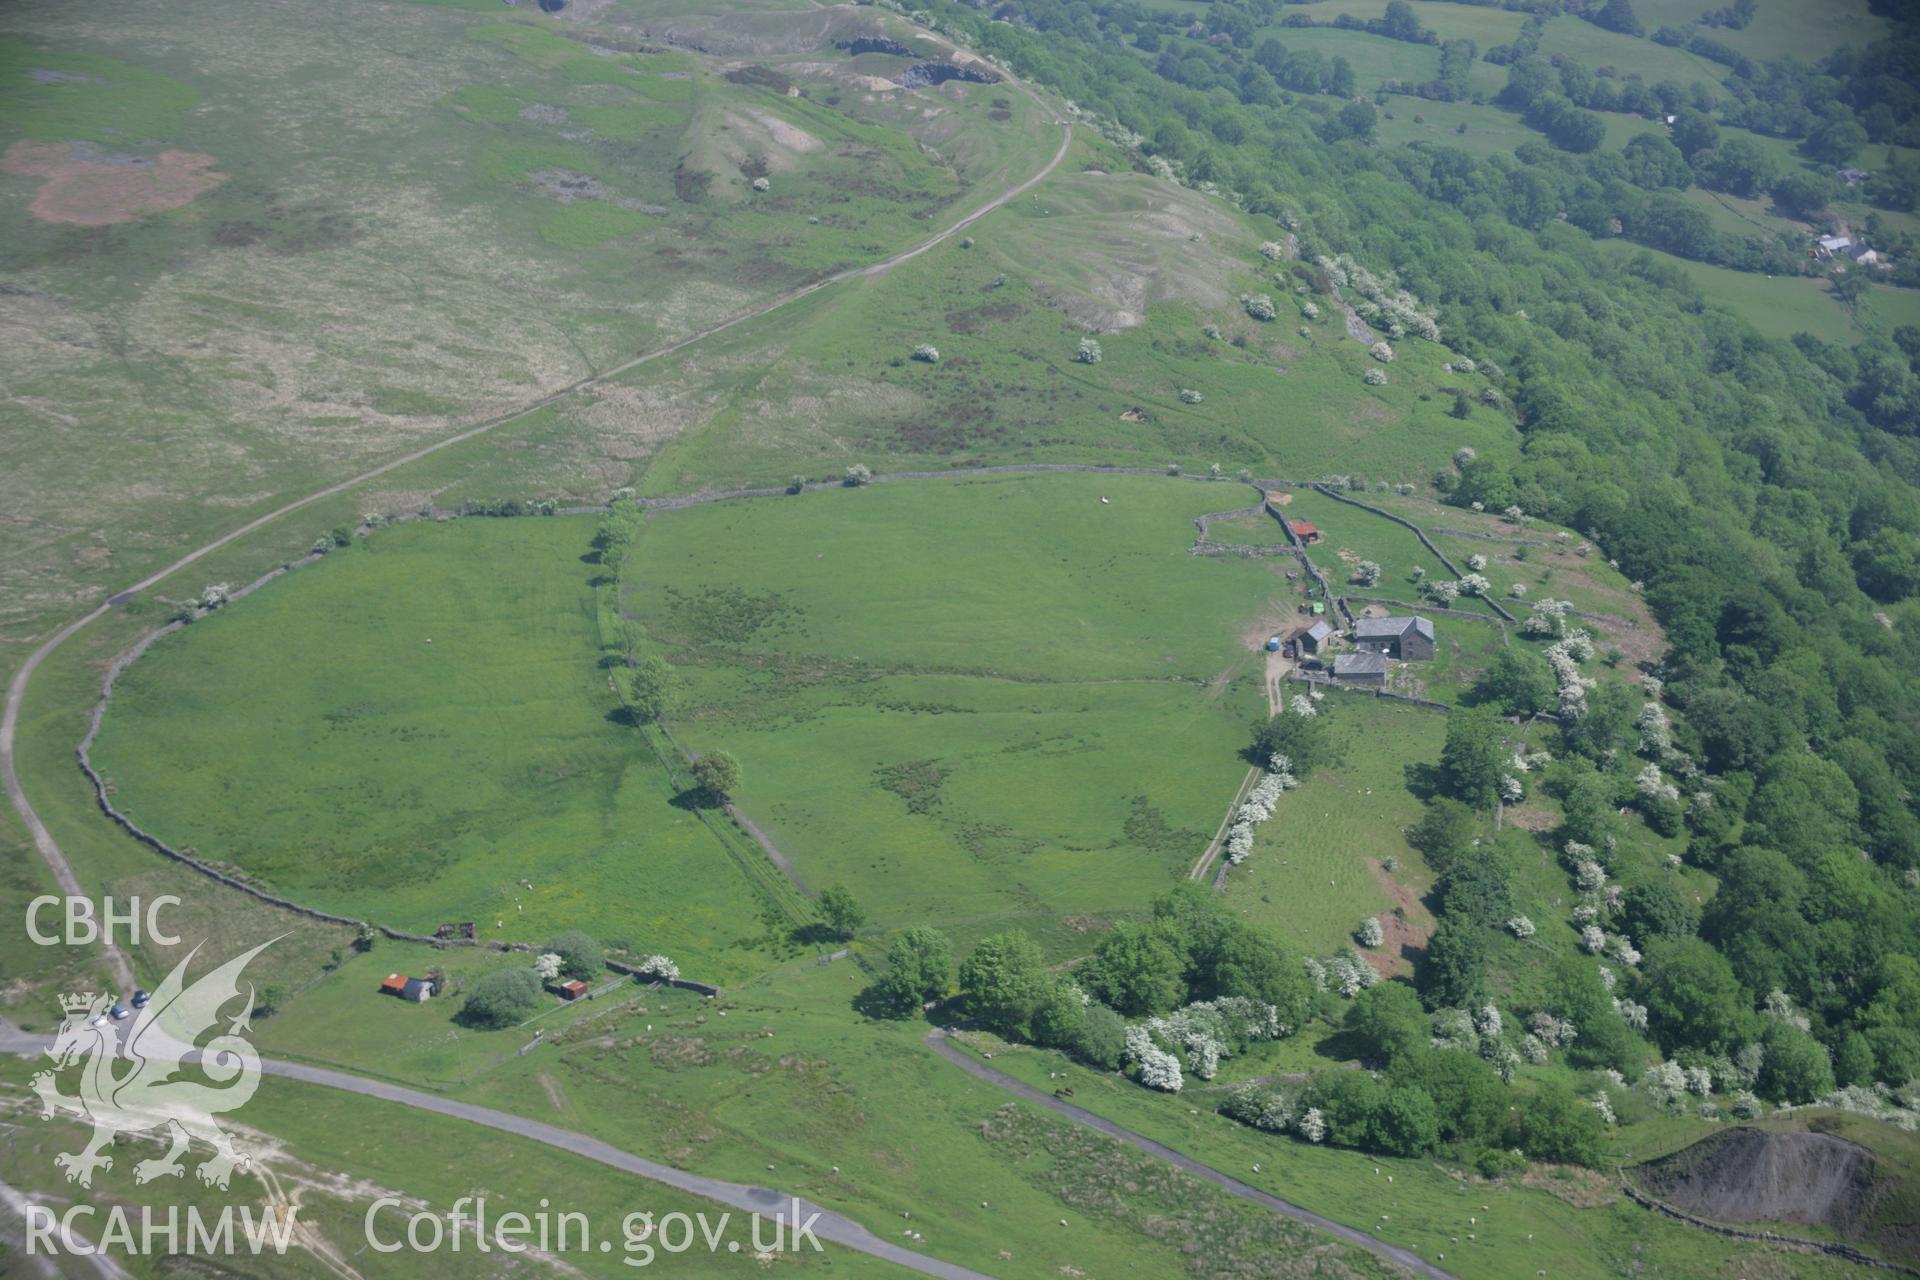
<point x="969" y="699"/>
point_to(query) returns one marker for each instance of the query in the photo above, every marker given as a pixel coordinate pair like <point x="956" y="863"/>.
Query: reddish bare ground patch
<point x="85" y="190"/>
<point x="1405" y="938"/>
<point x="1530" y="817"/>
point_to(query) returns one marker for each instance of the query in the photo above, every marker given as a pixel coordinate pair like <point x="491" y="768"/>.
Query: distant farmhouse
<point x="1406" y="638"/>
<point x="1361" y="668"/>
<point x="1838" y="246"/>
<point x="1314" y="638"/>
<point x="1305" y="530"/>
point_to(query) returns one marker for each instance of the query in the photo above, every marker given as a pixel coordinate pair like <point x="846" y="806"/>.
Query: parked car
<point x="121" y="1013"/>
<point x="140" y="999"/>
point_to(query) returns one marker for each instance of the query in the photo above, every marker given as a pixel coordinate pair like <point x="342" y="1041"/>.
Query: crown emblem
<point x="76" y="1002"/>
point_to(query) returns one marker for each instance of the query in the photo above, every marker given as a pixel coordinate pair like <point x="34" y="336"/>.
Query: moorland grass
<point x="857" y="1115"/>
<point x="1567" y="1222"/>
<point x="63" y="94"/>
<point x="1007" y="387"/>
<point x="334" y="1155"/>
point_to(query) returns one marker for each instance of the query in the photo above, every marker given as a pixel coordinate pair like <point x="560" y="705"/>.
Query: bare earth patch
<point x="85" y="188"/>
<point x="1405" y="938"/>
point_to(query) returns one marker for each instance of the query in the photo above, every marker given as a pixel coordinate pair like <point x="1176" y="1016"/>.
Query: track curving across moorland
<point x="1406" y="1258"/>
<point x="43" y="841"/>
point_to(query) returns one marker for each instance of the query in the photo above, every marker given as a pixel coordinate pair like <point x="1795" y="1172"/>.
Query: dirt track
<point x="43" y="840"/>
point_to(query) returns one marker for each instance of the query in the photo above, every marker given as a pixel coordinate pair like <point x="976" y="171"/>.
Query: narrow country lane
<point x="831" y="1227"/>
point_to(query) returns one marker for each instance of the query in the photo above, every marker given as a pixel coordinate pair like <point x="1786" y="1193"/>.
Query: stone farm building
<point x="1361" y="668"/>
<point x="1409" y="639"/>
<point x="1312" y="639"/>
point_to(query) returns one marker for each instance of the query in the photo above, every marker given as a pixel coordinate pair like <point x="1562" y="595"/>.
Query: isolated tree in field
<point x="842" y="912"/>
<point x="717" y="773"/>
<point x="1088" y="352"/>
<point x="1003" y="979"/>
<point x="1849" y="287"/>
<point x="1261" y="307"/>
<point x="1836" y="142"/>
<point x="919" y="967"/>
<point x="649" y="688"/>
<point x="502" y="998"/>
<point x="1366" y="573"/>
<point x="857" y="474"/>
<point x="581" y="956"/>
<point x="614" y="536"/>
<point x="1473" y="759"/>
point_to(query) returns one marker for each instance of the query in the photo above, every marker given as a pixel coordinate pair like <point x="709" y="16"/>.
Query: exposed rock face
<point x="923" y="74"/>
<point x="1752" y="1175"/>
<point x="876" y="44"/>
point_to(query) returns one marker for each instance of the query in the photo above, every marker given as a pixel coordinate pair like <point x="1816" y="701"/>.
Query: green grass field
<point x="1311" y="875"/>
<point x="438" y="741"/>
<point x="1350" y="535"/>
<point x="968" y="698"/>
<point x="1250" y="531"/>
<point x="1777" y="307"/>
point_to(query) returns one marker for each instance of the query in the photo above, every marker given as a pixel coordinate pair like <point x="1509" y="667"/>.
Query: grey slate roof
<point x="1390" y="628"/>
<point x="1319" y="631"/>
<point x="1360" y="664"/>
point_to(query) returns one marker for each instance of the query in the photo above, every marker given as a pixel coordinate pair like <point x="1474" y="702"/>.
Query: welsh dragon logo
<point x="128" y="1085"/>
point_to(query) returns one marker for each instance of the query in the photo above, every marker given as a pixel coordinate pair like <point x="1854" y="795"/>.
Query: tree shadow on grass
<point x="818" y="933"/>
<point x="1423" y="781"/>
<point x="1339" y="1046"/>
